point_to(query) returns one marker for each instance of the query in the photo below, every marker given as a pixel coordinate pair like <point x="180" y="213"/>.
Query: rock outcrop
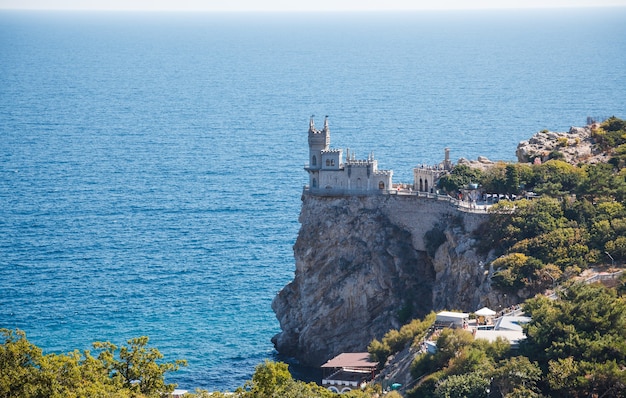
<point x="576" y="146"/>
<point x="365" y="264"/>
<point x="481" y="163"/>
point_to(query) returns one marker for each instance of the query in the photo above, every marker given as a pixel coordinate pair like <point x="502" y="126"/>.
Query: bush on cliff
<point x="395" y="341"/>
<point x="611" y="133"/>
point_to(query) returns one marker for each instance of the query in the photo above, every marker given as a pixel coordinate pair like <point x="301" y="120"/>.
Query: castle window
<point x="314" y="183"/>
<point x="314" y="161"/>
<point x="327" y="162"/>
<point x="332" y="162"/>
<point x="421" y="185"/>
<point x="381" y="185"/>
<point x="426" y="185"/>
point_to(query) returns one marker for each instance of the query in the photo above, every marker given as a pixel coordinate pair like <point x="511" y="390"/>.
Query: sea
<point x="151" y="164"/>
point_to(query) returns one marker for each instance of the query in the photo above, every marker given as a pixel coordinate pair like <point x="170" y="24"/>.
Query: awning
<point x="485" y="312"/>
<point x="351" y="360"/>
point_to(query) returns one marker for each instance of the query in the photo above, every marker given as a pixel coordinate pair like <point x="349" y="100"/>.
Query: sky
<point x="298" y="5"/>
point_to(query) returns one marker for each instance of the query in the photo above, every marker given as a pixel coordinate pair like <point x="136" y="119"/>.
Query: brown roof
<point x="351" y="360"/>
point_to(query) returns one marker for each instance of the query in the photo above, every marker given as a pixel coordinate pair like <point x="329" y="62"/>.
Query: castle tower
<point x="447" y="164"/>
<point x="318" y="141"/>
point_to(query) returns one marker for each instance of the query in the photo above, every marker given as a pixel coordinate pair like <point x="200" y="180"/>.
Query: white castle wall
<point x="329" y="173"/>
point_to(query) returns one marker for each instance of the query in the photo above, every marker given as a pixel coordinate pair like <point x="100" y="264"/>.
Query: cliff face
<point x="364" y="263"/>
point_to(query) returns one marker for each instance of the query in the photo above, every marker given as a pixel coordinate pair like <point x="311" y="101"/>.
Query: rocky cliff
<point x="366" y="264"/>
<point x="575" y="146"/>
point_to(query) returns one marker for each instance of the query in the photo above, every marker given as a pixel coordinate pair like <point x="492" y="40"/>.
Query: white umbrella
<point x="485" y="312"/>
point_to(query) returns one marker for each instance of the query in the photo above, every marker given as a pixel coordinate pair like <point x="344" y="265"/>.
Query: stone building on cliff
<point x="425" y="177"/>
<point x="329" y="173"/>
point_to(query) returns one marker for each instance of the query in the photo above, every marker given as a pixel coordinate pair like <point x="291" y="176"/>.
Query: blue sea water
<point x="151" y="164"/>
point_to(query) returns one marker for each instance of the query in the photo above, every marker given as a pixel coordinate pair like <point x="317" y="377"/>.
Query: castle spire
<point x="312" y="124"/>
<point x="326" y="124"/>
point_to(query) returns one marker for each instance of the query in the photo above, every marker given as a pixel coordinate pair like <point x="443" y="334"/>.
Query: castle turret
<point x="447" y="164"/>
<point x="318" y="141"/>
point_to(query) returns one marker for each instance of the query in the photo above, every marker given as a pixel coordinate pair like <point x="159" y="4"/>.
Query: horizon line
<point x="499" y="7"/>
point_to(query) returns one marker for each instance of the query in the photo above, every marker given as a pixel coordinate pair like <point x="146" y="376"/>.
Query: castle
<point x="329" y="173"/>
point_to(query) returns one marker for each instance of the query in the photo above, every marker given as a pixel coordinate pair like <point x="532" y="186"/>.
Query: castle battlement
<point x="436" y="167"/>
<point x="361" y="163"/>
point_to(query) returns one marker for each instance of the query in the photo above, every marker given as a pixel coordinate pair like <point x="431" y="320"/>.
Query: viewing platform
<point x="462" y="205"/>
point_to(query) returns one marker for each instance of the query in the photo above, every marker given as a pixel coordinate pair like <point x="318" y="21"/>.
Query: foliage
<point x="469" y="385"/>
<point x="272" y="379"/>
<point x="137" y="368"/>
<point x="395" y="340"/>
<point x="26" y="372"/>
<point x="611" y="133"/>
<point x="449" y="344"/>
<point x="556" y="178"/>
<point x="579" y="340"/>
<point x="459" y="177"/>
<point x="579" y="217"/>
<point x="575" y="347"/>
<point x="516" y="373"/>
<point x="513" y="271"/>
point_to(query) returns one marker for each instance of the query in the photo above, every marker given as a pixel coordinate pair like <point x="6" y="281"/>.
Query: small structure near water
<point x="348" y="371"/>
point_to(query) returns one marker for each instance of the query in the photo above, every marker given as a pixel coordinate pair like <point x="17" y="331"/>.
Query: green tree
<point x="516" y="373"/>
<point x="273" y="380"/>
<point x="612" y="133"/>
<point x="459" y="177"/>
<point x="579" y="339"/>
<point x="494" y="179"/>
<point x="451" y="341"/>
<point x="379" y="351"/>
<point x="468" y="385"/>
<point x="599" y="182"/>
<point x="138" y="368"/>
<point x="512" y="179"/>
<point x="525" y="219"/>
<point x="268" y="379"/>
<point x="514" y="271"/>
<point x="19" y="362"/>
<point x="396" y="340"/>
<point x="25" y="372"/>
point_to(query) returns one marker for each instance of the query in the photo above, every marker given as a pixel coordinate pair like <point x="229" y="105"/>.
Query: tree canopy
<point x="575" y="347"/>
<point x="133" y="371"/>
